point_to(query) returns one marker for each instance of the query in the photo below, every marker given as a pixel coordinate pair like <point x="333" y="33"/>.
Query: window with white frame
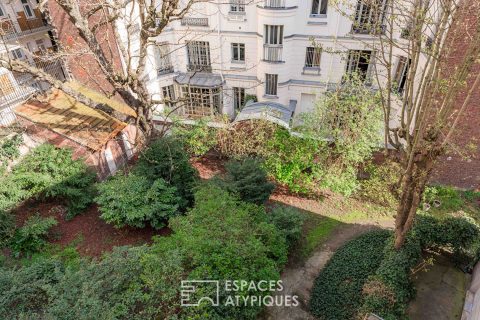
<point x="401" y="74"/>
<point x="369" y="16"/>
<point x="27" y="8"/>
<point x="271" y="83"/>
<point x="201" y="102"/>
<point x="41" y="45"/>
<point x="199" y="56"/>
<point x="18" y="54"/>
<point x="238" y="98"/>
<point x="237" y="6"/>
<point x="360" y="63"/>
<point x="3" y="13"/>
<point x="312" y="59"/>
<point x="162" y="59"/>
<point x="273" y="35"/>
<point x="238" y="52"/>
<point x="319" y="7"/>
<point x="168" y="95"/>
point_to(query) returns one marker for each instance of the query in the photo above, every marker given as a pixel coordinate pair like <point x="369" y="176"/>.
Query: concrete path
<point x="298" y="280"/>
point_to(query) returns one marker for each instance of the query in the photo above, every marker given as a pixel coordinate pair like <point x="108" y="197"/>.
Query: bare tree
<point x="422" y="75"/>
<point x="97" y="24"/>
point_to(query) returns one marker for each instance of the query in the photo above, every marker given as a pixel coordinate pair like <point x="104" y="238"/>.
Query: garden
<point x="253" y="201"/>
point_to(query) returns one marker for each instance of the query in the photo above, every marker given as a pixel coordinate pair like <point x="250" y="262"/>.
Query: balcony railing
<point x="274" y="4"/>
<point x="272" y="52"/>
<point x="197" y="22"/>
<point x="199" y="68"/>
<point x="11" y="30"/>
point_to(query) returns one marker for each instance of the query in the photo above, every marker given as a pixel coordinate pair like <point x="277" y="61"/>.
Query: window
<point x="41" y="45"/>
<point x="237" y="6"/>
<point x="162" y="59"/>
<point x="238" y="52"/>
<point x="198" y="56"/>
<point x="271" y="82"/>
<point x="401" y="74"/>
<point x="17" y="54"/>
<point x="369" y="16"/>
<point x="312" y="59"/>
<point x="238" y="98"/>
<point x="28" y="9"/>
<point x="168" y="95"/>
<point x="201" y="102"/>
<point x="273" y="43"/>
<point x="273" y="35"/>
<point x="2" y="11"/>
<point x="319" y="7"/>
<point x="359" y="63"/>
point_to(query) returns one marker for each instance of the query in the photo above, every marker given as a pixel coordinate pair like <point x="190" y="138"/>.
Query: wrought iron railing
<point x="274" y="4"/>
<point x="272" y="52"/>
<point x="198" y="22"/>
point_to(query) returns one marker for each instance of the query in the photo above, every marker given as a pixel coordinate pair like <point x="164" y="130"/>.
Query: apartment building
<point x="281" y="53"/>
<point x="24" y="35"/>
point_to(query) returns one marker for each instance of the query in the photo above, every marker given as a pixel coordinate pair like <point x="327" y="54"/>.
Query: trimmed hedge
<point x="337" y="292"/>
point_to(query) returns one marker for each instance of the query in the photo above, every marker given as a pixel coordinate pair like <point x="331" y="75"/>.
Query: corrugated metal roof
<point x="271" y="111"/>
<point x="66" y="116"/>
<point x="199" y="79"/>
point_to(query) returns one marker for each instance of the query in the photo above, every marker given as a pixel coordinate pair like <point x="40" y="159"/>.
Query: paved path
<point x="298" y="280"/>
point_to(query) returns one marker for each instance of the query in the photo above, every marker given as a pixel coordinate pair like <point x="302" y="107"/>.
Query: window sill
<point x="238" y="62"/>
<point x="236" y="13"/>
<point x="311" y="71"/>
<point x="319" y="16"/>
<point x="274" y="62"/>
<point x="270" y="96"/>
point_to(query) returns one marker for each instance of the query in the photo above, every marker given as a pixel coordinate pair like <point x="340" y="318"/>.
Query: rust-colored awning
<point x="66" y="116"/>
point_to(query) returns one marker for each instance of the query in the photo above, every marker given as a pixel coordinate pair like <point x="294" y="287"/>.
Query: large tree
<point x="439" y="42"/>
<point x="98" y="26"/>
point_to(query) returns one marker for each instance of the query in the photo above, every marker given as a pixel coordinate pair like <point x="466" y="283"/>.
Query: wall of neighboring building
<point x="460" y="167"/>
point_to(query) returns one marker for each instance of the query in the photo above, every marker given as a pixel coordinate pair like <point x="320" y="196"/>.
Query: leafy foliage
<point x="166" y="158"/>
<point x="248" y="180"/>
<point x="50" y="172"/>
<point x="7" y="227"/>
<point x="9" y="148"/>
<point x="380" y="186"/>
<point x="221" y="238"/>
<point x="135" y="201"/>
<point x="198" y="138"/>
<point x="289" y="221"/>
<point x="393" y="274"/>
<point x="337" y="292"/>
<point x="31" y="237"/>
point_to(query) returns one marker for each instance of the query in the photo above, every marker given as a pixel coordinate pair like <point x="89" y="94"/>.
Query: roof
<point x="64" y="115"/>
<point x="271" y="111"/>
<point x="199" y="79"/>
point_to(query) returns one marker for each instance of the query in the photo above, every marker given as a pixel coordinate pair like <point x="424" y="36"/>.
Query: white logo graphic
<point x="189" y="287"/>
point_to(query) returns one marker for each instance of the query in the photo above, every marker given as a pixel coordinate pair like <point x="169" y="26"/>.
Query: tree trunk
<point x="412" y="188"/>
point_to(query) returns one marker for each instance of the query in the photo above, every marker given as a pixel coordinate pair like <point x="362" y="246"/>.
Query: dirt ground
<point x="88" y="232"/>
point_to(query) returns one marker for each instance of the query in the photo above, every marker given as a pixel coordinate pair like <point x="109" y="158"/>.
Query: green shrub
<point x="294" y="161"/>
<point x="11" y="192"/>
<point x="337" y="292"/>
<point x="248" y="180"/>
<point x="289" y="221"/>
<point x="135" y="201"/>
<point x="9" y="148"/>
<point x="198" y="138"/>
<point x="32" y="236"/>
<point x="50" y="172"/>
<point x="393" y="274"/>
<point x="7" y="227"/>
<point x="166" y="158"/>
<point x="380" y="186"/>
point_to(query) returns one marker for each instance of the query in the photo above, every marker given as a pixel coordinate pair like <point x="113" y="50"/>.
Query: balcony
<point x="274" y="4"/>
<point x="272" y="52"/>
<point x="195" y="22"/>
<point x="11" y="30"/>
<point x="368" y="29"/>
